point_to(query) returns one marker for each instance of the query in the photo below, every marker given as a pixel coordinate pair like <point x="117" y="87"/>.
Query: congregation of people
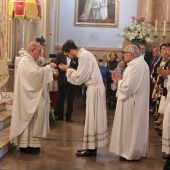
<point x="139" y="83"/>
<point x="159" y="96"/>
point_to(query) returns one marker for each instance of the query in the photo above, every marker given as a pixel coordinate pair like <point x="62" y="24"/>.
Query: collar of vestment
<point x="27" y="55"/>
<point x="36" y="62"/>
<point x="80" y="51"/>
<point x="136" y="60"/>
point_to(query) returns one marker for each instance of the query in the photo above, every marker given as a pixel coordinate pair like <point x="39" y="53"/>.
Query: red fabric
<point x="54" y="99"/>
<point x="38" y="9"/>
<point x="55" y="77"/>
<point x="19" y="9"/>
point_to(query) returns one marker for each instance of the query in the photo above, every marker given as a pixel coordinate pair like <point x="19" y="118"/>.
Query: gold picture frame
<point x="97" y="13"/>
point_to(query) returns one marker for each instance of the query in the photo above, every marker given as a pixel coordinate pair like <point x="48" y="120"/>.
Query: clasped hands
<point x="116" y="76"/>
<point x="163" y="72"/>
<point x="63" y="67"/>
<point x="53" y="65"/>
<point x="159" y="88"/>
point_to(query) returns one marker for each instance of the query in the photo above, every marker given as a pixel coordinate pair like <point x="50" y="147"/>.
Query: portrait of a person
<point x="96" y="11"/>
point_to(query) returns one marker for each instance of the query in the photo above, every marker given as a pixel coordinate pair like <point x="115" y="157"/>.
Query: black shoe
<point x="159" y="133"/>
<point x="158" y="123"/>
<point x="86" y="152"/>
<point x="156" y="129"/>
<point x="151" y="111"/>
<point x="93" y="150"/>
<point x="30" y="150"/>
<point x="124" y="159"/>
<point x="156" y="118"/>
<point x="159" y="130"/>
<point x="24" y="150"/>
<point x="80" y="150"/>
<point x="69" y="120"/>
<point x="165" y="156"/>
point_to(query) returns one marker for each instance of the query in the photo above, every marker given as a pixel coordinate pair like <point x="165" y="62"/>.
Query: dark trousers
<point x="167" y="164"/>
<point x="66" y="91"/>
<point x="151" y="102"/>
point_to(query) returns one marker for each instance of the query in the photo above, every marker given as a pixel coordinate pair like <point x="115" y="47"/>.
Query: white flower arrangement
<point x="137" y="33"/>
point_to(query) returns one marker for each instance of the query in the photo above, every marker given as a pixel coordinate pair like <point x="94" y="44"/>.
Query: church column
<point x="48" y="27"/>
<point x="27" y="32"/>
<point x="17" y="22"/>
<point x="44" y="13"/>
<point x="162" y="12"/>
<point x="34" y="31"/>
<point x="9" y="42"/>
<point x="45" y="20"/>
<point x="146" y="9"/>
<point x="57" y="22"/>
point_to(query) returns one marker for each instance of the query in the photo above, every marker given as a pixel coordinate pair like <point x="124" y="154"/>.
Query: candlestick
<point x="164" y="28"/>
<point x="23" y="33"/>
<point x="164" y="36"/>
<point x="155" y="36"/>
<point x="156" y="27"/>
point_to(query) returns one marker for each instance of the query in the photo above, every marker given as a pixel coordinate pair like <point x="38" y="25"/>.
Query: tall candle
<point x="156" y="27"/>
<point x="164" y="28"/>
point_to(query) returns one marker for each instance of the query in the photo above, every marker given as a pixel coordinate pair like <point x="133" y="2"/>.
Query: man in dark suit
<point x="147" y="56"/>
<point x="65" y="88"/>
<point x="153" y="71"/>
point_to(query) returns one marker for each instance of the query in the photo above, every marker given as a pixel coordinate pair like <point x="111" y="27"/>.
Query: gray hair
<point x="134" y="49"/>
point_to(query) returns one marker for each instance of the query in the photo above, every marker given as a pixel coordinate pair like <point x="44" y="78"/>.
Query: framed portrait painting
<point x="96" y="13"/>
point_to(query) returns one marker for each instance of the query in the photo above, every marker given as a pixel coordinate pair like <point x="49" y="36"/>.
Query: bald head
<point x="134" y="49"/>
<point x="34" y="49"/>
<point x="33" y="45"/>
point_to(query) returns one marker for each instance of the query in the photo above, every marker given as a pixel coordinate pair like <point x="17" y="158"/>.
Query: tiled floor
<point x="59" y="148"/>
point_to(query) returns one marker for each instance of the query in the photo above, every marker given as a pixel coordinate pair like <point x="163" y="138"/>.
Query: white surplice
<point x="30" y="113"/>
<point x="99" y="9"/>
<point x="88" y="72"/>
<point x="129" y="136"/>
<point x="166" y="122"/>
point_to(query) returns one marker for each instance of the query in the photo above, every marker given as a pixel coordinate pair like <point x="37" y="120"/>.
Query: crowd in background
<point x="159" y="65"/>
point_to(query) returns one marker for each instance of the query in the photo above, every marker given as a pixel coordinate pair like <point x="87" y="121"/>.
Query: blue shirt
<point x="106" y="75"/>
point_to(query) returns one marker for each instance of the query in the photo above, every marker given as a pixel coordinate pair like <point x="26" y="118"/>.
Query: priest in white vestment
<point x="88" y="72"/>
<point x="129" y="137"/>
<point x="30" y="113"/>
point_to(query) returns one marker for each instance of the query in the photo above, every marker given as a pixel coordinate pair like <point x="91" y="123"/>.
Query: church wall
<point x="101" y="41"/>
<point x="158" y="10"/>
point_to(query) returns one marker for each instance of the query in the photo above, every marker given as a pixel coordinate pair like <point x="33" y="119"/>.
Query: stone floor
<point x="59" y="148"/>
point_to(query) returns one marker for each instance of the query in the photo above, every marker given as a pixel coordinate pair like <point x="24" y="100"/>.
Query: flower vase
<point x="138" y="43"/>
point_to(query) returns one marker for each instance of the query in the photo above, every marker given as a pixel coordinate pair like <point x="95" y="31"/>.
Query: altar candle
<point x="164" y="28"/>
<point x="156" y="27"/>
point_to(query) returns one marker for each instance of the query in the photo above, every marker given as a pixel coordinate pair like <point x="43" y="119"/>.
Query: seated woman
<point x="106" y="74"/>
<point x="111" y="65"/>
<point x="120" y="69"/>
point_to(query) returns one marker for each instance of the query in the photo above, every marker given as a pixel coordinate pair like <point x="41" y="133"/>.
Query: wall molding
<point x="98" y="51"/>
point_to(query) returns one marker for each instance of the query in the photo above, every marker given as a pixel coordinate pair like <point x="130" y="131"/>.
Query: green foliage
<point x="52" y="119"/>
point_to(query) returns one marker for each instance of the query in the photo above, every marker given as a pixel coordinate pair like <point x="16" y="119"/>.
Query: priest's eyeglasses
<point x="124" y="52"/>
<point x="67" y="54"/>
